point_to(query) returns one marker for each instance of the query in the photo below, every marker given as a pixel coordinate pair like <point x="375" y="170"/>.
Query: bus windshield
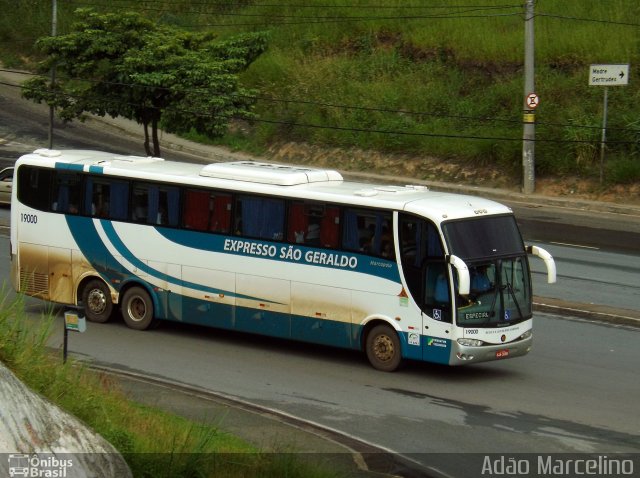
<point x="483" y="237"/>
<point x="500" y="291"/>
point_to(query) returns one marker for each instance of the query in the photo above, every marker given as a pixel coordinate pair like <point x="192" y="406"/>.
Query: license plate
<point x="502" y="353"/>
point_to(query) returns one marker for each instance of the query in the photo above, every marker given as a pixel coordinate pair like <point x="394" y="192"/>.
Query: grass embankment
<point x="154" y="443"/>
<point x="418" y="79"/>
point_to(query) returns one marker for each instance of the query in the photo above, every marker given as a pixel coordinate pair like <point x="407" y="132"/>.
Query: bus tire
<point x="96" y="299"/>
<point x="383" y="348"/>
<point x="137" y="308"/>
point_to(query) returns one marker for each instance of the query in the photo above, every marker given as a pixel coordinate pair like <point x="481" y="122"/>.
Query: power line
<point x="286" y="19"/>
<point x="454" y="11"/>
<point x="357" y="107"/>
<point x="309" y="6"/>
<point x="353" y="107"/>
<point x="350" y="129"/>
<point x="592" y="20"/>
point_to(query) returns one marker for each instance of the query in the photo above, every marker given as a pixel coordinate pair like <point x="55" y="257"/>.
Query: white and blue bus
<point x="399" y="272"/>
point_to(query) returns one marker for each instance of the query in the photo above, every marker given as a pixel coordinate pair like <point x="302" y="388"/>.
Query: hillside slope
<point x="411" y="81"/>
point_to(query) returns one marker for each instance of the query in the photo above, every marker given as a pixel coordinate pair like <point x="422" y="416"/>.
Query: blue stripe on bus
<point x="305" y="329"/>
<point x="96" y="169"/>
<point x="70" y="166"/>
<point x="94" y="250"/>
<point x="293" y="253"/>
<point x="124" y="251"/>
<point x="91" y="245"/>
<point x="273" y="324"/>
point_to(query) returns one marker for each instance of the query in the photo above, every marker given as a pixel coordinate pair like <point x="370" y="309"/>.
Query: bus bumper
<point x="462" y="354"/>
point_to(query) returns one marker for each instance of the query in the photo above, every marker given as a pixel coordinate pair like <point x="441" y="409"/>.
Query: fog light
<point x="464" y="356"/>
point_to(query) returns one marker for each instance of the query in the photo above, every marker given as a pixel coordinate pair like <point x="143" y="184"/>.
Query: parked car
<point x="6" y="182"/>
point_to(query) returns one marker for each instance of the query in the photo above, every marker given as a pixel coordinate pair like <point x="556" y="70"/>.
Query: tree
<point x="126" y="65"/>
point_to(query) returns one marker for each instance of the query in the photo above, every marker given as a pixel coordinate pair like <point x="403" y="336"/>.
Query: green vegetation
<point x="418" y="79"/>
<point x="126" y="65"/>
<point x="154" y="443"/>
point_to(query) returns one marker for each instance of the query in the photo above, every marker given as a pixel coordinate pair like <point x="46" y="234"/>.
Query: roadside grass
<point x="154" y="442"/>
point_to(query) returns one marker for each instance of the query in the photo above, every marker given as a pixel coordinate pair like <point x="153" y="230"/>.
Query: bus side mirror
<point x="548" y="261"/>
<point x="464" y="281"/>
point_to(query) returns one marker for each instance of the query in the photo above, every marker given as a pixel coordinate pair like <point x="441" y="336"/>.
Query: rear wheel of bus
<point x="96" y="299"/>
<point x="383" y="348"/>
<point x="137" y="308"/>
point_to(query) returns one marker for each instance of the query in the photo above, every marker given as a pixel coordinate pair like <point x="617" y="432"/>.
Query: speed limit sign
<point x="532" y="100"/>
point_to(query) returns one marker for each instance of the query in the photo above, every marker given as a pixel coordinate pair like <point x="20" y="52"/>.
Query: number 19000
<point x="30" y="218"/>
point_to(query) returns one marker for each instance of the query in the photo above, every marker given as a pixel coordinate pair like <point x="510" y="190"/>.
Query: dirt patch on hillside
<point x="435" y="169"/>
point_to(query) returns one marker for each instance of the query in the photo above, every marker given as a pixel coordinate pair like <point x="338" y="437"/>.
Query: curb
<point x="361" y="459"/>
<point x="594" y="312"/>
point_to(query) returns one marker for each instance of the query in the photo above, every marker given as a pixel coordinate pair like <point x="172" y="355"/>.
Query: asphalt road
<point x="590" y="276"/>
<point x="576" y="392"/>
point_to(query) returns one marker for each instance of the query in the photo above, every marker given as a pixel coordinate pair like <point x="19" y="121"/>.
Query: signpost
<point x="75" y="323"/>
<point x="528" y="125"/>
<point x="607" y="75"/>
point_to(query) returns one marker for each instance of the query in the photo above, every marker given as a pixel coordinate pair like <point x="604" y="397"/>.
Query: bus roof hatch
<point x="267" y="173"/>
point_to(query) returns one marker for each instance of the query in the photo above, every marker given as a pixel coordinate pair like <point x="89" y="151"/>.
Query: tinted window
<point x="155" y="204"/>
<point x="313" y="224"/>
<point x="260" y="217"/>
<point x="484" y="237"/>
<point x="106" y="198"/>
<point x="34" y="187"/>
<point x="368" y="231"/>
<point x="207" y="210"/>
<point x="67" y="192"/>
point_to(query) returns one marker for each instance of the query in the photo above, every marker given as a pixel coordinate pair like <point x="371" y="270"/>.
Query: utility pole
<point x="54" y="28"/>
<point x="529" y="129"/>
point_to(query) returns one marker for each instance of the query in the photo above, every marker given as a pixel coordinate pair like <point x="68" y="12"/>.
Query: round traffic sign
<point x="532" y="100"/>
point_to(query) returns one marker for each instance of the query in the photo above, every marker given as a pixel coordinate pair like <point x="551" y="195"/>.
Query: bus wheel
<point x="96" y="299"/>
<point x="383" y="348"/>
<point x="137" y="308"/>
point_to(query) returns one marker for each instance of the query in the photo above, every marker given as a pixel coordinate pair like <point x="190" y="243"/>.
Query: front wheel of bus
<point x="96" y="299"/>
<point x="383" y="348"/>
<point x="137" y="308"/>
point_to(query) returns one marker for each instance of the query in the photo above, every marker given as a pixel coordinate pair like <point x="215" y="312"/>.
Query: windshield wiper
<point x="509" y="288"/>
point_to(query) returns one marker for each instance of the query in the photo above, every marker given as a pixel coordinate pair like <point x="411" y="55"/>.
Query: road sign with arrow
<point x="608" y="75"/>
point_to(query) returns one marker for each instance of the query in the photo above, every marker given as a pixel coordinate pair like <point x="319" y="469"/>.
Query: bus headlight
<point x="471" y="342"/>
<point x="526" y="335"/>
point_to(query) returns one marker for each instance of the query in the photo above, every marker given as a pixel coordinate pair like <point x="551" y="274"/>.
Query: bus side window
<point x="330" y="227"/>
<point x="67" y="193"/>
<point x="297" y="224"/>
<point x="261" y="218"/>
<point x="220" y="213"/>
<point x="196" y="209"/>
<point x="34" y="187"/>
<point x="140" y="203"/>
<point x="368" y="232"/>
<point x="119" y="201"/>
<point x="166" y="211"/>
<point x="314" y="224"/>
